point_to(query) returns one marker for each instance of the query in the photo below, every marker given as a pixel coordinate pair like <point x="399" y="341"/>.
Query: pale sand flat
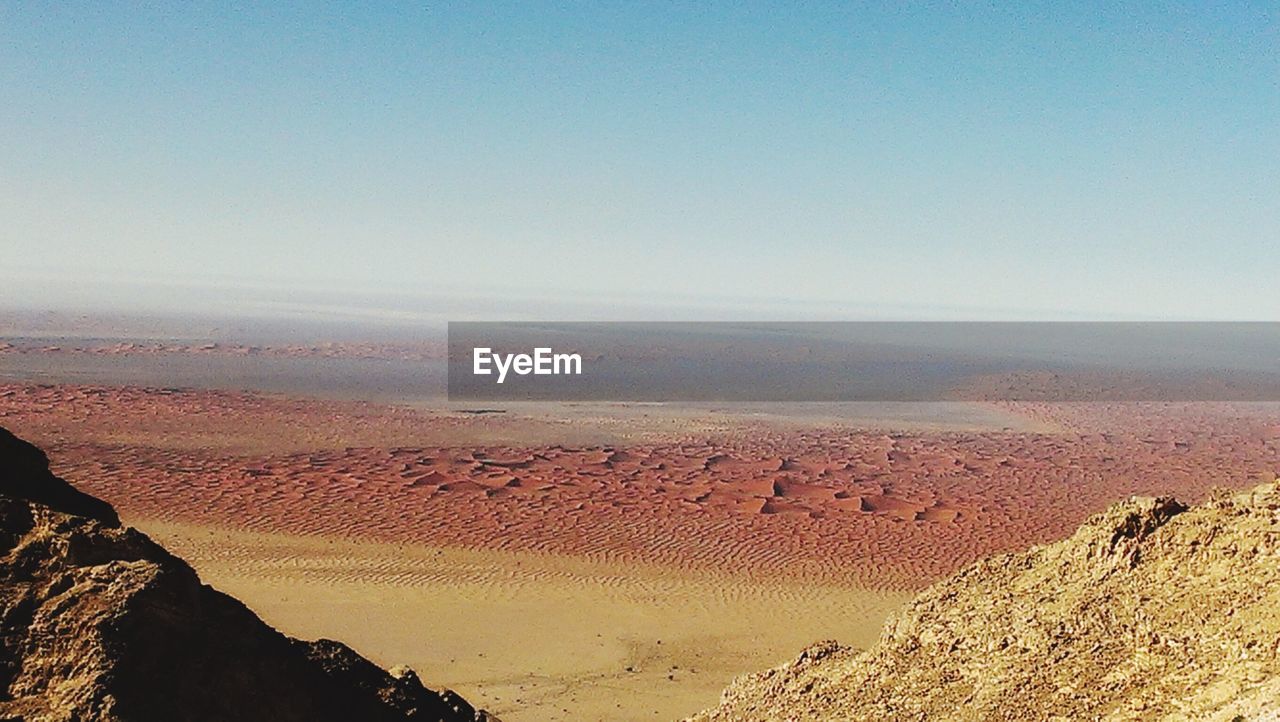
<point x="530" y="636"/>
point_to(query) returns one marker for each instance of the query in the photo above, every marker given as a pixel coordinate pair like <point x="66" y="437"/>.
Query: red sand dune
<point x="884" y="509"/>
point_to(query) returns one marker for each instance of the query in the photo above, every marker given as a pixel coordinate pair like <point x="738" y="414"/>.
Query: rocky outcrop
<point x="100" y="624"/>
<point x="25" y="476"/>
<point x="1150" y="611"/>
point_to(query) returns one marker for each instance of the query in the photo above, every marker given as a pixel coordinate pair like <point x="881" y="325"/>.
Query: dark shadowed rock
<point x="24" y="475"/>
<point x="99" y="623"/>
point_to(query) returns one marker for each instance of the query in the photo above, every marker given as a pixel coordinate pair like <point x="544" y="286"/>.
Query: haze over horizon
<point x="770" y="160"/>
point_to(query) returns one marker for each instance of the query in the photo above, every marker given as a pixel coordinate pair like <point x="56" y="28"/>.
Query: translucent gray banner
<point x="864" y="361"/>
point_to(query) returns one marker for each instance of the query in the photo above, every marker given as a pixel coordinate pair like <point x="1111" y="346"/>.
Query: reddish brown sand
<point x="868" y="508"/>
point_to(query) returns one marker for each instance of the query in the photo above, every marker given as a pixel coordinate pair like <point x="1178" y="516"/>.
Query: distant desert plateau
<point x="558" y="561"/>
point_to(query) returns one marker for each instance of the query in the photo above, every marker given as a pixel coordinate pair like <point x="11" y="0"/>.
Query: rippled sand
<point x="529" y="558"/>
<point x="530" y="636"/>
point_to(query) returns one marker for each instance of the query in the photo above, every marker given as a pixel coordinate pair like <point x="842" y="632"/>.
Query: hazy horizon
<point x="322" y="302"/>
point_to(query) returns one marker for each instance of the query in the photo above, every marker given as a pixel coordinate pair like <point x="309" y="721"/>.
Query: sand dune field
<point x="611" y="561"/>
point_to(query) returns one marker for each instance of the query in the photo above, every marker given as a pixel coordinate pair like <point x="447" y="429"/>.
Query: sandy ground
<point x="821" y="503"/>
<point x="607" y="561"/>
<point x="530" y="636"/>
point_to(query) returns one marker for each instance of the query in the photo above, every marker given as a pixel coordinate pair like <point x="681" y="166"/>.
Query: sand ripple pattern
<point x="885" y="510"/>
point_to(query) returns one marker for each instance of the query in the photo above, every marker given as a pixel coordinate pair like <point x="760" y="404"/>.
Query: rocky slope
<point x="100" y="624"/>
<point x="1150" y="611"/>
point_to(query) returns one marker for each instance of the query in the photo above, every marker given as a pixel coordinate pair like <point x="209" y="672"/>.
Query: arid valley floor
<point x="604" y="561"/>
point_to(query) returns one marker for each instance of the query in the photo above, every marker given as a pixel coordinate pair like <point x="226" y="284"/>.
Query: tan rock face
<point x="1149" y="611"/>
<point x="98" y="623"/>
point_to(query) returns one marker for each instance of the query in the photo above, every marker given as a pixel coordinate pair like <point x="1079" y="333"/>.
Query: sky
<point x="791" y="159"/>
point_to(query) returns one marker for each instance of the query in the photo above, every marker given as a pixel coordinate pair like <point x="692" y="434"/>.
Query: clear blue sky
<point x="1061" y="157"/>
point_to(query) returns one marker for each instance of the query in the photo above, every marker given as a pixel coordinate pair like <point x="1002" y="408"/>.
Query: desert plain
<point x="579" y="561"/>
